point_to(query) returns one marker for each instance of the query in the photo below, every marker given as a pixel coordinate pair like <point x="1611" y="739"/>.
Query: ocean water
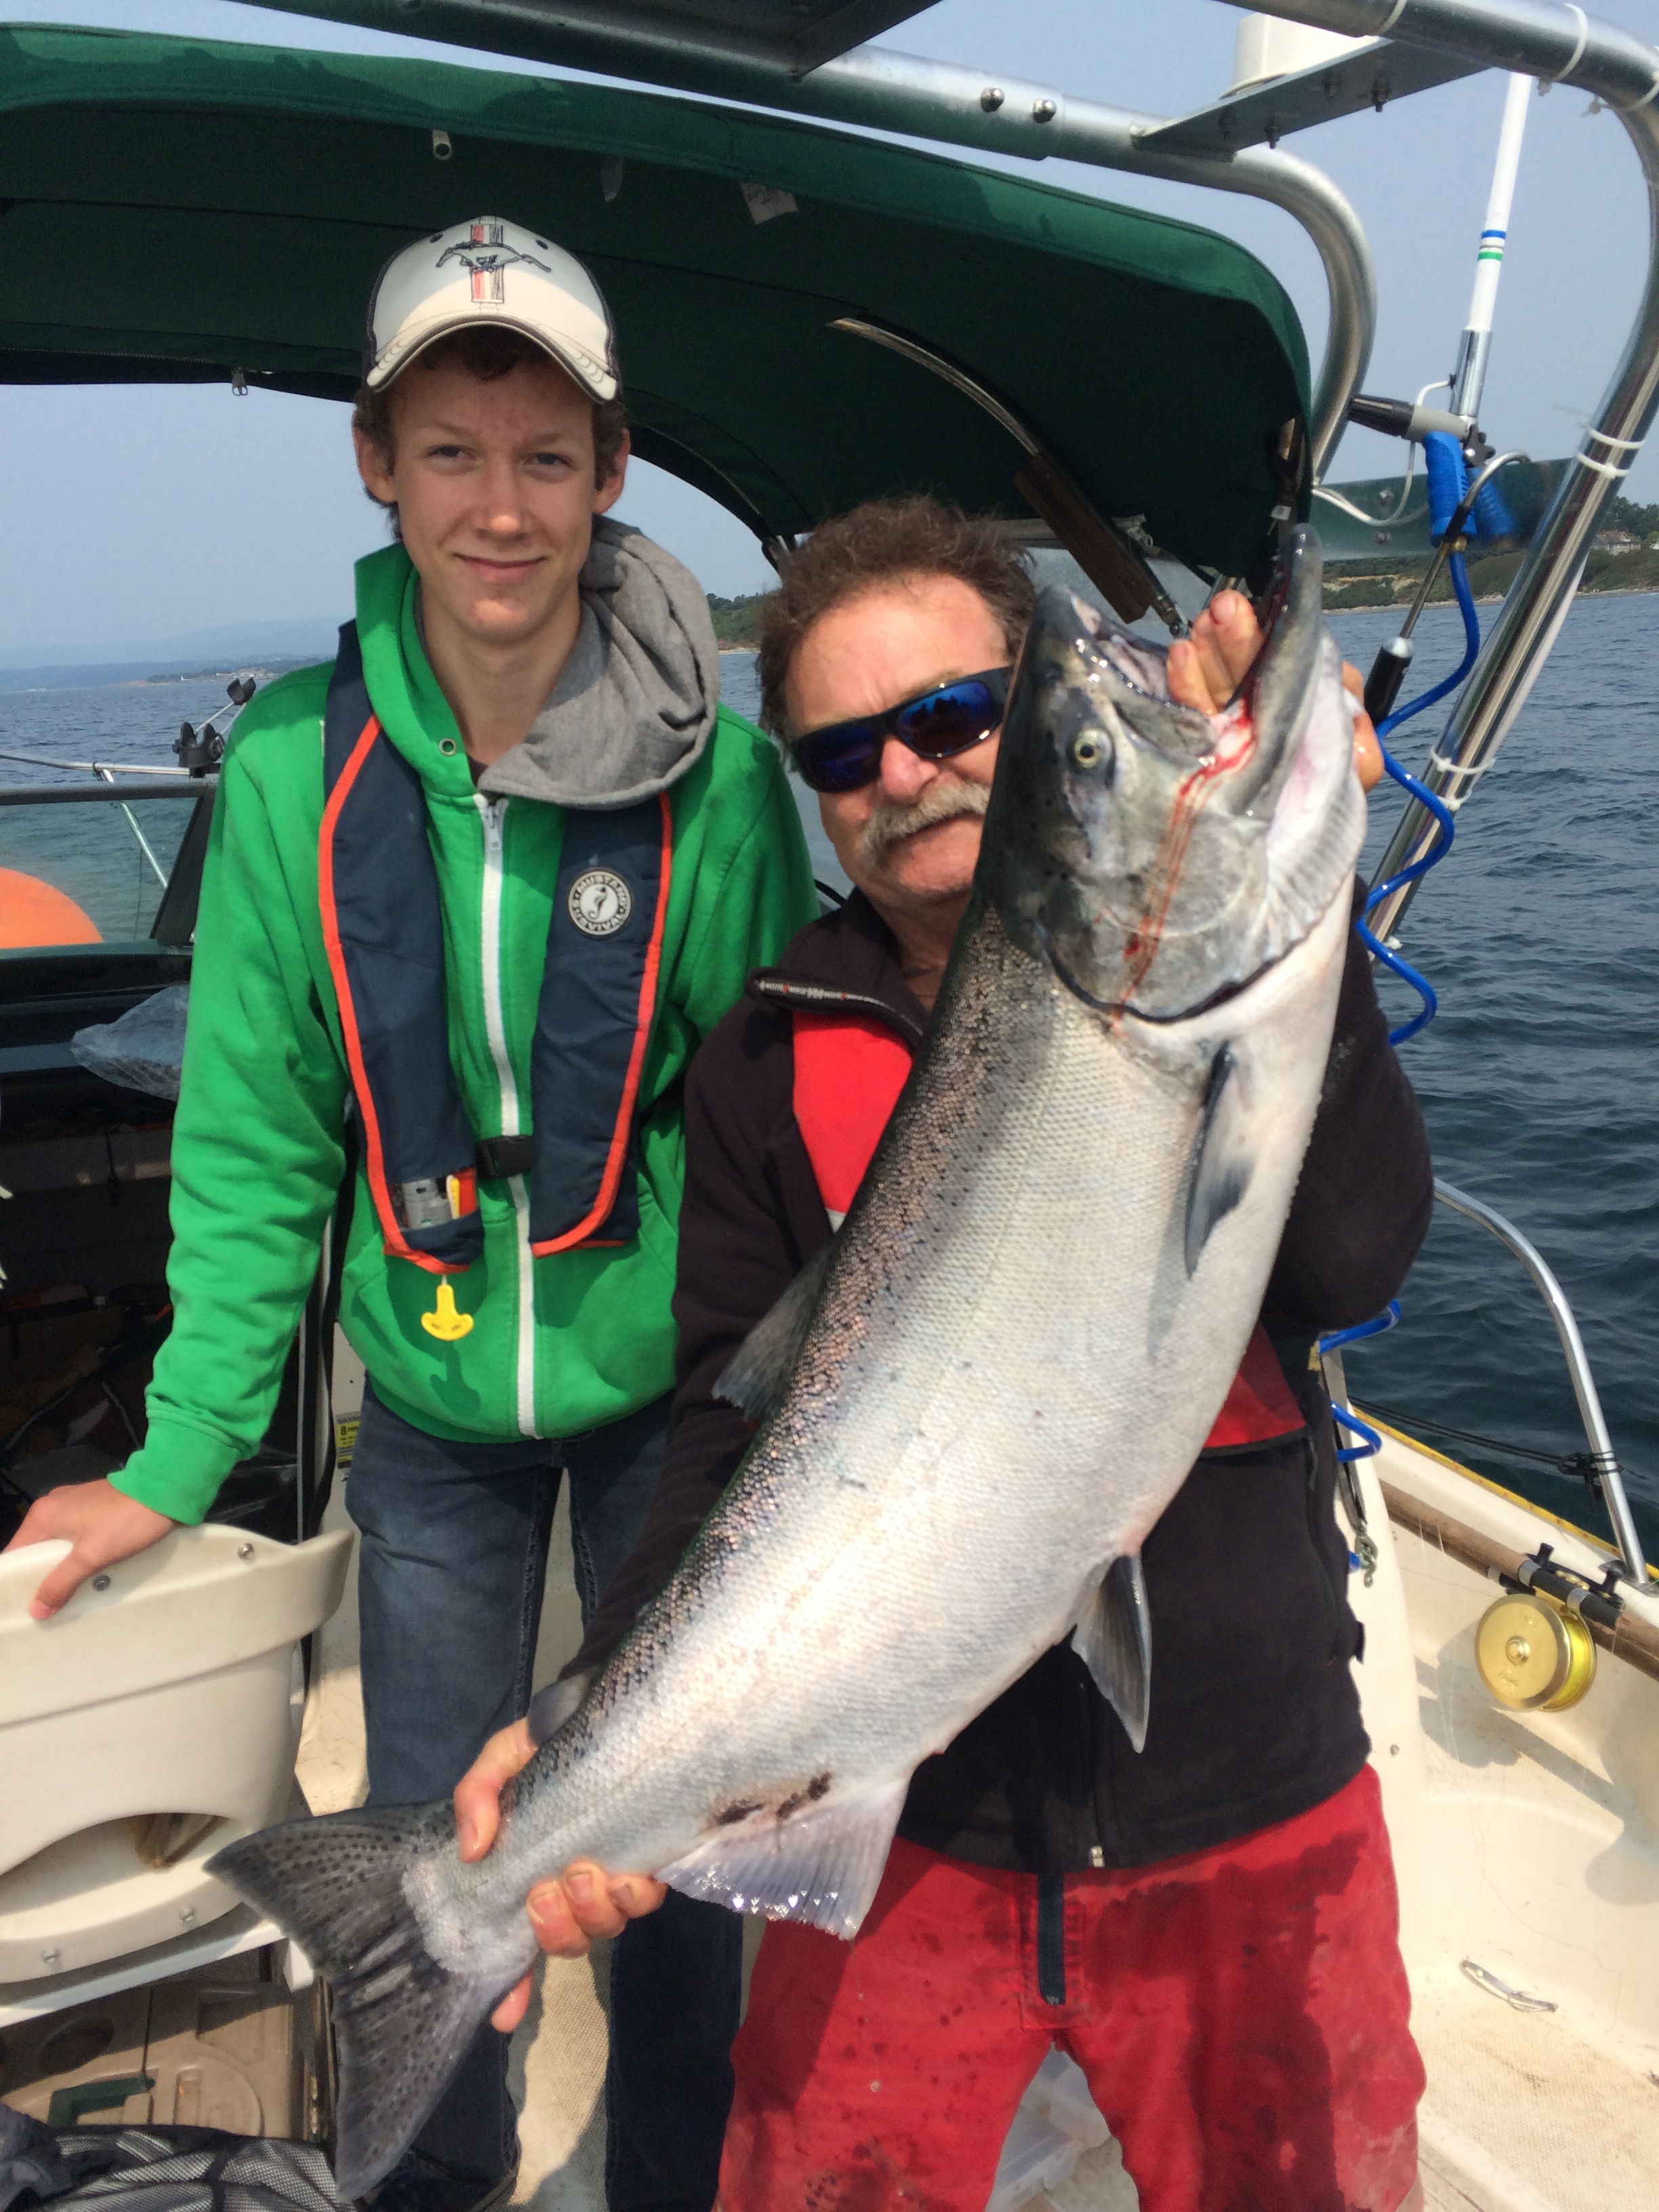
<point x="95" y="851"/>
<point x="1539" y="932"/>
<point x="1539" y="1078"/>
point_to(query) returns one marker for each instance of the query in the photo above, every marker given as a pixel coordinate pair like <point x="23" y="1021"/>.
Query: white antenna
<point x="1469" y="377"/>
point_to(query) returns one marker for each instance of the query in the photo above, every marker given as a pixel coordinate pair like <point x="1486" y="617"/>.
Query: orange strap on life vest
<point x="849" y="1071"/>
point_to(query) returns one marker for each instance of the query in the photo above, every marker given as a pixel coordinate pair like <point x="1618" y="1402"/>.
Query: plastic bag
<point x="1057" y="2121"/>
<point x="145" y="1049"/>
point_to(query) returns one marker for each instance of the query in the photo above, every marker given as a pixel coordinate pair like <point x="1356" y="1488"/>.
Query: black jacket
<point x="1254" y="1715"/>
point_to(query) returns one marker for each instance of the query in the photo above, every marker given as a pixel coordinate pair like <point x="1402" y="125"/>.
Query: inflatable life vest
<point x="849" y="1069"/>
<point x="383" y="928"/>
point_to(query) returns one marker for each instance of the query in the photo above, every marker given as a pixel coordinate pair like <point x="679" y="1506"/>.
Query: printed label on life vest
<point x="599" y="903"/>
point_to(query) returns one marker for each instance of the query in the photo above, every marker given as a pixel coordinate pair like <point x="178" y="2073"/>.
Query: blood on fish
<point x="1140" y="950"/>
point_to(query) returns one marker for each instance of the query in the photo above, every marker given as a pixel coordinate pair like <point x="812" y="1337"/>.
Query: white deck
<point x="1526" y="1843"/>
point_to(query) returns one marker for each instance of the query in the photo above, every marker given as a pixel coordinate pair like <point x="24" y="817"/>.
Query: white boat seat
<point x="168" y="1690"/>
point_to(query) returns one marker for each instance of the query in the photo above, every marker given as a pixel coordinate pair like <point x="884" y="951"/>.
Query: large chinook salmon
<point x="1001" y="1373"/>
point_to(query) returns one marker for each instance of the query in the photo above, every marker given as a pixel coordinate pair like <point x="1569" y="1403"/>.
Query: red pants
<point x="1240" y="2015"/>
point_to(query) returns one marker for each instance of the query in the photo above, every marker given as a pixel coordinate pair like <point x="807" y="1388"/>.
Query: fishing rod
<point x="1468" y="378"/>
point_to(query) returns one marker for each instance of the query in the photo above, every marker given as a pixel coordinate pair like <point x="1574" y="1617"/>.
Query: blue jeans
<point x="451" y="1565"/>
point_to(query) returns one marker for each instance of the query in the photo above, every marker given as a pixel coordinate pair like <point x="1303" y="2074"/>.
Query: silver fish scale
<point x="1007" y="1377"/>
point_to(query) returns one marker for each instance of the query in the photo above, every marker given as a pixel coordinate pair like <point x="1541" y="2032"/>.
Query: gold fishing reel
<point x="1534" y="1656"/>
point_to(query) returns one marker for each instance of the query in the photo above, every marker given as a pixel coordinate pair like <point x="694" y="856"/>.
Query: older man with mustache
<point x="908" y="838"/>
<point x="1207" y="1925"/>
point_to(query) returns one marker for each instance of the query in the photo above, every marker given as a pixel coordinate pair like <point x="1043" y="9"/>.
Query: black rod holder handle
<point x="1388" y="674"/>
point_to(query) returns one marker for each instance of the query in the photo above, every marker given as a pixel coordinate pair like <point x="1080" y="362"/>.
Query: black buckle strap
<point x="506" y="1156"/>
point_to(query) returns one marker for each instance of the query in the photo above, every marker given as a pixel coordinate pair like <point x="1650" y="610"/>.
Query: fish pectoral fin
<point x="1224" y="1154"/>
<point x="820" y="1866"/>
<point x="756" y="1375"/>
<point x="1114" y="1639"/>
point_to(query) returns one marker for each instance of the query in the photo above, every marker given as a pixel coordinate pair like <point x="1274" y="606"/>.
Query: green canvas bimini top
<point x="175" y="210"/>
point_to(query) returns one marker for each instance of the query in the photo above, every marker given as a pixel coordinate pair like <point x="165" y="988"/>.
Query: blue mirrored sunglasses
<point x="846" y="755"/>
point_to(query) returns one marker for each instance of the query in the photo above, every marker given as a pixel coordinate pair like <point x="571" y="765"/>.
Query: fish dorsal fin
<point x="820" y="1865"/>
<point x="758" y="1374"/>
<point x="1114" y="1639"/>
<point x="1224" y="1154"/>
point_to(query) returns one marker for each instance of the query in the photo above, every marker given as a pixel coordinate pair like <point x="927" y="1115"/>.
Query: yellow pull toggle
<point x="444" y="1321"/>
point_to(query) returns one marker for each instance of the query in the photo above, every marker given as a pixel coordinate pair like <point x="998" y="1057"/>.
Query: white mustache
<point x="941" y="802"/>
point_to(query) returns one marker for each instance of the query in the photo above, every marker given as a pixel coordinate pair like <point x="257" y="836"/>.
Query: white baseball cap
<point x="490" y="271"/>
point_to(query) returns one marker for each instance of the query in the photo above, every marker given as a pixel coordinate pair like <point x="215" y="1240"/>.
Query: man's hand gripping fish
<point x="1000" y="1373"/>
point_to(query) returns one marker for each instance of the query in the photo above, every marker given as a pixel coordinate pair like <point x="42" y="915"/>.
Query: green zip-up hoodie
<point x="559" y="1345"/>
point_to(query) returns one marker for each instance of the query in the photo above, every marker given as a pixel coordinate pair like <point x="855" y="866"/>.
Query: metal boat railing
<point x="1559" y="45"/>
<point x="175" y="916"/>
<point x="106" y="772"/>
<point x="80" y="794"/>
<point x="104" y="769"/>
<point x="1604" y="1459"/>
<point x="889" y="91"/>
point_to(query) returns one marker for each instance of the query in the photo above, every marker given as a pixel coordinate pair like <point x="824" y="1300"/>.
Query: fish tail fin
<point x="403" y="2022"/>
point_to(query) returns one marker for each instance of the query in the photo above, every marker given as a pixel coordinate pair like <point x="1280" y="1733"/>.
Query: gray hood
<point x="637" y="701"/>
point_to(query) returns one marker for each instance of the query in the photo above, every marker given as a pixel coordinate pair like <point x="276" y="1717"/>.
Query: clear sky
<point x="140" y="513"/>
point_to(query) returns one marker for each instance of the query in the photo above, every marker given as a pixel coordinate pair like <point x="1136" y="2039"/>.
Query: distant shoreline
<point x="1495" y="599"/>
<point x="72" y="677"/>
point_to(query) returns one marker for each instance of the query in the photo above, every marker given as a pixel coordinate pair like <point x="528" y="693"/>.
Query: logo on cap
<point x="599" y="903"/>
<point x="488" y="255"/>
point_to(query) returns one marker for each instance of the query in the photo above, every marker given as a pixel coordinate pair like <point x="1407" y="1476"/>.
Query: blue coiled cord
<point x="1370" y="1442"/>
<point x="1459" y="572"/>
<point x="1438" y="807"/>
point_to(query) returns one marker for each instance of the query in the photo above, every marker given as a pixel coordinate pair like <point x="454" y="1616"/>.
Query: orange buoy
<point x="36" y="913"/>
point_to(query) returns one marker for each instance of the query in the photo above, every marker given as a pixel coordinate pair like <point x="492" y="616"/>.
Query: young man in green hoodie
<point x="475" y="895"/>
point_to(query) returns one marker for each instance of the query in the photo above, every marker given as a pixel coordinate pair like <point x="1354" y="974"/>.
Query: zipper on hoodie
<point x="493" y="813"/>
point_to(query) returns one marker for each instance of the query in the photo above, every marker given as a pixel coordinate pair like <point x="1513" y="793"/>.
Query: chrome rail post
<point x="1559" y="45"/>
<point x="1583" y="1382"/>
<point x="1113" y="138"/>
<point x="889" y="91"/>
<point x="878" y="89"/>
<point x="106" y="775"/>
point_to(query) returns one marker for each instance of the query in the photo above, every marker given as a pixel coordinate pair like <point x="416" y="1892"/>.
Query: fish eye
<point x="1088" y="751"/>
